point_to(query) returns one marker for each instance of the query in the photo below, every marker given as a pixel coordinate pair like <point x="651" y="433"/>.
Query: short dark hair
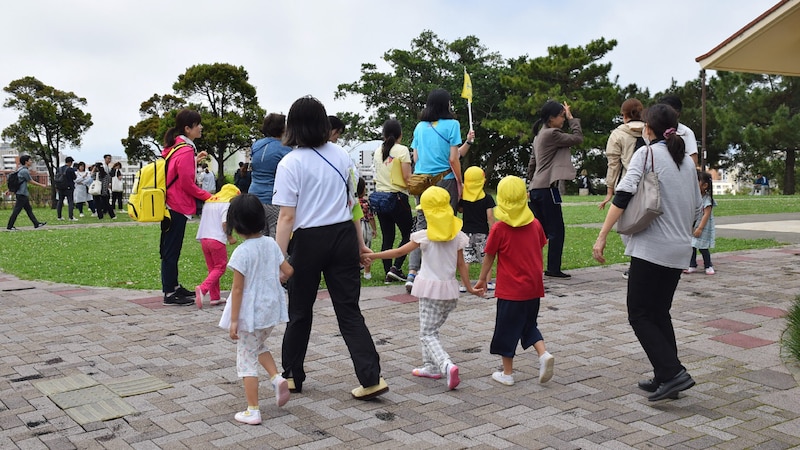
<point x="246" y="215"/>
<point x="274" y="125"/>
<point x="672" y="100"/>
<point x="106" y="156"/>
<point x="68" y="159"/>
<point x="24" y="159"/>
<point x="307" y="124"/>
<point x="336" y="124"/>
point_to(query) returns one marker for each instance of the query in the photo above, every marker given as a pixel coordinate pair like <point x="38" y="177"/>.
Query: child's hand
<point x="366" y="259"/>
<point x="478" y="292"/>
<point x="480" y="286"/>
<point x="286" y="272"/>
<point x="201" y="156"/>
<point x="374" y="233"/>
<point x="697" y="232"/>
<point x="234" y="330"/>
<point x="231" y="239"/>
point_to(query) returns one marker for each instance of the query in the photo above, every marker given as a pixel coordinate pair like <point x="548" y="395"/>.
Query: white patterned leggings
<point x="432" y="314"/>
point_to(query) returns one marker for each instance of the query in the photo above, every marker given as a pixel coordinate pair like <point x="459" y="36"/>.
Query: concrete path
<point x="728" y="328"/>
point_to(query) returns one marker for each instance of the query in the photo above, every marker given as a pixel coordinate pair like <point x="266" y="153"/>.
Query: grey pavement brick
<point x="744" y="398"/>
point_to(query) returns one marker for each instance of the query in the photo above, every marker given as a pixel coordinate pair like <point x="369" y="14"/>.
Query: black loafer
<point x="557" y="274"/>
<point x="667" y="389"/>
<point x="651" y="386"/>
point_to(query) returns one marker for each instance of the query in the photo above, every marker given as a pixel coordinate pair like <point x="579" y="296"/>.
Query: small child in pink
<point x="213" y="235"/>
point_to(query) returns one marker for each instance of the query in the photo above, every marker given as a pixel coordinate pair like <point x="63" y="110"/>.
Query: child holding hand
<point x="516" y="240"/>
<point x="257" y="302"/>
<point x="442" y="245"/>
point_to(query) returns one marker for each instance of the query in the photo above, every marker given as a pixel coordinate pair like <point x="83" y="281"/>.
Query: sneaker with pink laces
<point x="710" y="271"/>
<point x="426" y="372"/>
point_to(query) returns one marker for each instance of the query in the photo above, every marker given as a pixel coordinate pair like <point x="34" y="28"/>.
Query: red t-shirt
<point x="519" y="260"/>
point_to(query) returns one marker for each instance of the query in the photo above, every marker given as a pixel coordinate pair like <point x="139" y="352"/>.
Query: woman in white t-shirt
<point x="393" y="161"/>
<point x="315" y="195"/>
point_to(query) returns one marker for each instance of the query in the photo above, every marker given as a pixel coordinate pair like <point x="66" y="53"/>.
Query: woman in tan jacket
<point x="624" y="140"/>
<point x="552" y="160"/>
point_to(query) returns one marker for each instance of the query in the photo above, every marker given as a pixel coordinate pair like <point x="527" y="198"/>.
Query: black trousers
<point x="402" y="219"/>
<point x="68" y="194"/>
<point x="331" y="251"/>
<point x="549" y="214"/>
<point x="650" y="291"/>
<point x="170" y="249"/>
<point x="23" y="202"/>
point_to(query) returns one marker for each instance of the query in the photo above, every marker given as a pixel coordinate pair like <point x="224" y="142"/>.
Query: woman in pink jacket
<point x="181" y="195"/>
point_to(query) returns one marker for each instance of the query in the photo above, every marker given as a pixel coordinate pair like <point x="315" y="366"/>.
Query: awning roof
<point x="768" y="44"/>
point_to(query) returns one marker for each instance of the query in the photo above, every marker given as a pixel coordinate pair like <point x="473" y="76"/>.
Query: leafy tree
<point x="564" y="74"/>
<point x="226" y="101"/>
<point x="228" y="105"/>
<point x="49" y="121"/>
<point x="759" y="117"/>
<point x="144" y="141"/>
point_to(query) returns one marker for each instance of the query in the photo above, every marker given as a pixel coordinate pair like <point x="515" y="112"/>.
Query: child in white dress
<point x="442" y="245"/>
<point x="256" y="303"/>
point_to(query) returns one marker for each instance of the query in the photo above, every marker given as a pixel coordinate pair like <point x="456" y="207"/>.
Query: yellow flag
<point x="466" y="92"/>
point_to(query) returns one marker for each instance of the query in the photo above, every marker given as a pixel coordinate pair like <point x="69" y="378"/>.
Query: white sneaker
<point x="249" y="416"/>
<point x="73" y="220"/>
<point x="410" y="282"/>
<point x="690" y="270"/>
<point x="367" y="275"/>
<point x="60" y="218"/>
<point x="546" y="367"/>
<point x="281" y="390"/>
<point x="462" y="288"/>
<point x="81" y="214"/>
<point x="502" y="378"/>
<point x="490" y="286"/>
<point x="710" y="271"/>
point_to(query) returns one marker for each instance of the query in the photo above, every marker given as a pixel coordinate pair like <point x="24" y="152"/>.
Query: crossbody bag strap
<point x="346" y="184"/>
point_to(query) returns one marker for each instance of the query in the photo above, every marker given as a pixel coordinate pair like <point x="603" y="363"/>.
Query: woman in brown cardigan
<point x="552" y="161"/>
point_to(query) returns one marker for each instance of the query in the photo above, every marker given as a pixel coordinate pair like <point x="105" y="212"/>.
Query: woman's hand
<point x="605" y="201"/>
<point x="568" y="113"/>
<point x="598" y="248"/>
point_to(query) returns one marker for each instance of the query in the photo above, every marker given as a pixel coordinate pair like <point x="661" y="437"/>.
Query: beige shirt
<point x="551" y="155"/>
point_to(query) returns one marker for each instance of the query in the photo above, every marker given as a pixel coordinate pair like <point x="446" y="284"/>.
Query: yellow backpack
<point x="148" y="199"/>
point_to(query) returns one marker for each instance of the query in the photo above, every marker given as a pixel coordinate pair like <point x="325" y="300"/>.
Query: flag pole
<point x="466" y="93"/>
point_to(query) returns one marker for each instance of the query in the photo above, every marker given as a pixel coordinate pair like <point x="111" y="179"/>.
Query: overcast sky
<point x="118" y="53"/>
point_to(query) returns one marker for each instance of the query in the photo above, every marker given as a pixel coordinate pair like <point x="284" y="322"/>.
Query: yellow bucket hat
<point x="474" y="179"/>
<point x="512" y="202"/>
<point x="225" y="194"/>
<point x="442" y="224"/>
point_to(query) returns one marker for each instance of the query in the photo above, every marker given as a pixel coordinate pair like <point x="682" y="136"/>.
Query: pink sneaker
<point x="426" y="372"/>
<point x="710" y="271"/>
<point x="281" y="390"/>
<point x="199" y="297"/>
<point x="452" y="377"/>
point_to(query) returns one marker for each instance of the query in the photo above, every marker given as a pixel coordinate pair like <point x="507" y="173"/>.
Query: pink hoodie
<point x="183" y="192"/>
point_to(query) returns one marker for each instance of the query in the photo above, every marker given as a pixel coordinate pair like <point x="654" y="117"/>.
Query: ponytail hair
<point x="185" y="118"/>
<point x="705" y="177"/>
<point x="550" y="109"/>
<point x="662" y="120"/>
<point x="391" y="133"/>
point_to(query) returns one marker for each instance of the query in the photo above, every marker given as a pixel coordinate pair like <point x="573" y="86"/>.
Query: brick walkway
<point x="728" y="328"/>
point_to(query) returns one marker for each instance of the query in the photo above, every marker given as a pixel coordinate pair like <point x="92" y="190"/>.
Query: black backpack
<point x="13" y="181"/>
<point x="60" y="178"/>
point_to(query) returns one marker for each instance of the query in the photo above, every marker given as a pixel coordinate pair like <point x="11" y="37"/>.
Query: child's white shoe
<point x="502" y="378"/>
<point x="249" y="416"/>
<point x="281" y="390"/>
<point x="546" y="367"/>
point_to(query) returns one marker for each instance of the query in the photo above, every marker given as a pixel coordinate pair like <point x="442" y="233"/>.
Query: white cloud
<point x="118" y="53"/>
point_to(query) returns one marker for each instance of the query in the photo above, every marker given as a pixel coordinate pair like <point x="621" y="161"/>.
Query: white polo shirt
<point x="316" y="189"/>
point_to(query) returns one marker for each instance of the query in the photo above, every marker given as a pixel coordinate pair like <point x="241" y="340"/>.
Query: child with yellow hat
<point x="213" y="234"/>
<point x="442" y="245"/>
<point x="516" y="240"/>
<point x="477" y="209"/>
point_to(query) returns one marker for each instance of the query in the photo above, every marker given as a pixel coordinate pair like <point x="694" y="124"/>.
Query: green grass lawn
<point x="127" y="256"/>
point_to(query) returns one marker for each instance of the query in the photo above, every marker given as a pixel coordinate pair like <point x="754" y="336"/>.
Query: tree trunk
<point x="788" y="177"/>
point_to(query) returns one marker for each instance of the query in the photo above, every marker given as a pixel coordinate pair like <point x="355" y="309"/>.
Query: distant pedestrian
<point x="442" y="244"/>
<point x="22" y="200"/>
<point x="368" y="227"/>
<point x="265" y="155"/>
<point x="65" y="184"/>
<point x="102" y="200"/>
<point x="704" y="235"/>
<point x="257" y="302"/>
<point x="516" y="241"/>
<point x="117" y="186"/>
<point x="82" y="183"/>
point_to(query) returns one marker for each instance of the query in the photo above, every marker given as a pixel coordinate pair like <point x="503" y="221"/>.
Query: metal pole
<point x="703" y="120"/>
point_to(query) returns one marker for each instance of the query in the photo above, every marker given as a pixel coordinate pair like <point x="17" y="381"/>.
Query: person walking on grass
<point x="22" y="201"/>
<point x="256" y="303"/>
<point x="442" y="245"/>
<point x="704" y="235"/>
<point x="213" y="234"/>
<point x="65" y="184"/>
<point x="516" y="241"/>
